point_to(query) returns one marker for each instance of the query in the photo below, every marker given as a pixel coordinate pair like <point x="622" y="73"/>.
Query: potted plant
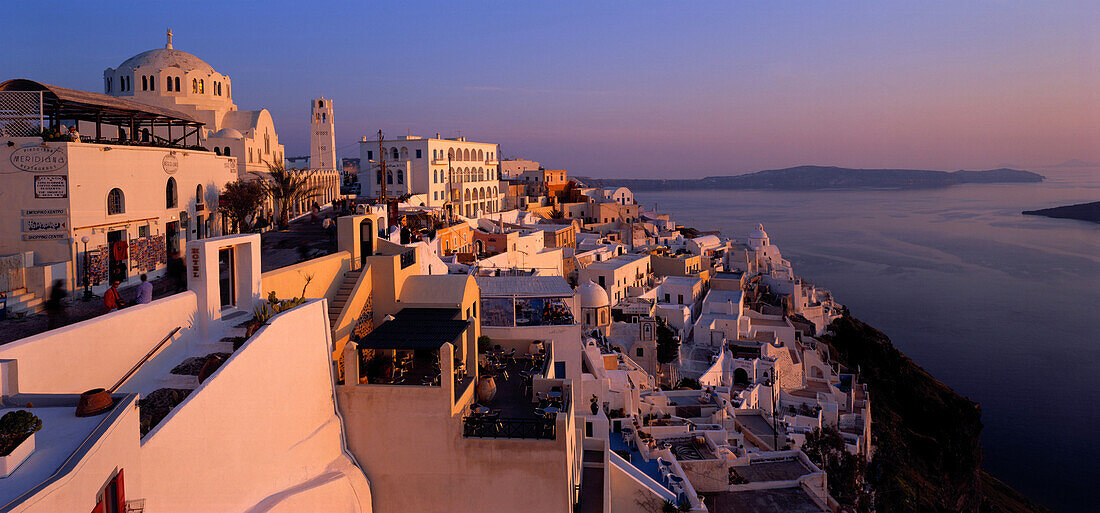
<point x="17" y="430"/>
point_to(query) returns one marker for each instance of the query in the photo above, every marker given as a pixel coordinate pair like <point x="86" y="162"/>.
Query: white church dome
<point x="758" y="233"/>
<point x="592" y="295"/>
<point x="164" y="58"/>
<point x="228" y="133"/>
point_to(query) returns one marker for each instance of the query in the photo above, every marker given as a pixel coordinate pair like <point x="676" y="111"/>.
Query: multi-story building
<point x="510" y="169"/>
<point x="453" y="173"/>
<point x="617" y="275"/>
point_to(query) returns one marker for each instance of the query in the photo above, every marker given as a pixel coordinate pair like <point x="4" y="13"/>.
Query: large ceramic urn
<point x="486" y="389"/>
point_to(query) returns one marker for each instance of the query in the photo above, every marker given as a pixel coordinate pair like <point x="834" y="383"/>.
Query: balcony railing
<point x="488" y="427"/>
<point x="408" y="258"/>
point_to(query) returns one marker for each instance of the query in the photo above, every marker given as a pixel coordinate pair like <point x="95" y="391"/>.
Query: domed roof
<point x="592" y="295"/>
<point x="229" y="133"/>
<point x="758" y="233"/>
<point x="164" y="58"/>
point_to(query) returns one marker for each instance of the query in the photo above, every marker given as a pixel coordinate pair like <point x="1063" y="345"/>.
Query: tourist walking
<point x="55" y="306"/>
<point x="111" y="299"/>
<point x="145" y="291"/>
<point x="177" y="273"/>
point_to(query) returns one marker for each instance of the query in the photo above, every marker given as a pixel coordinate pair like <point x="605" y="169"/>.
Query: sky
<point x="630" y="89"/>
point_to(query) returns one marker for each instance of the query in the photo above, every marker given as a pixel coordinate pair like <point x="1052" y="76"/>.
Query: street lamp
<point x="87" y="287"/>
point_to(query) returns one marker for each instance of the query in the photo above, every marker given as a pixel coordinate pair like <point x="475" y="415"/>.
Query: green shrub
<point x="16" y="426"/>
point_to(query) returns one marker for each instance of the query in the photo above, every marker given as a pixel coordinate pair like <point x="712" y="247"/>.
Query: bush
<point x="16" y="426"/>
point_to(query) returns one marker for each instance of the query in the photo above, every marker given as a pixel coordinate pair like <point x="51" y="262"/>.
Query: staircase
<point x="21" y="303"/>
<point x="342" y="295"/>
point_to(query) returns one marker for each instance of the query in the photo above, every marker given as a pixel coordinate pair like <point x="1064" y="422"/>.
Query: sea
<point x="1004" y="308"/>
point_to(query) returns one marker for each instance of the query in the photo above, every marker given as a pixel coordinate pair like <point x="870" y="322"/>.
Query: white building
<point x="174" y="79"/>
<point x="446" y="173"/>
<point x="134" y="204"/>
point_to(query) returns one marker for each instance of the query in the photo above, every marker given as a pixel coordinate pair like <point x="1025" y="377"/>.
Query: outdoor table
<point x="554" y="394"/>
<point x="481" y="410"/>
<point x="550" y="411"/>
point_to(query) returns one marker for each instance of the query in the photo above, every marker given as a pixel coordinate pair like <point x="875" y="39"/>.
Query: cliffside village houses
<point x="490" y="342"/>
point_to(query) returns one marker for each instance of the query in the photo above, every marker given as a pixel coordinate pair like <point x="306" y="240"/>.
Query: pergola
<point x="62" y="103"/>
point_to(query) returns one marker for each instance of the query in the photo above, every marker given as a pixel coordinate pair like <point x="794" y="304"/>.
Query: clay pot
<point x="94" y="402"/>
<point x="486" y="389"/>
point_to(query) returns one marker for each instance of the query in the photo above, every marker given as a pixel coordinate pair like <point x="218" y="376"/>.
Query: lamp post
<point x="87" y="287"/>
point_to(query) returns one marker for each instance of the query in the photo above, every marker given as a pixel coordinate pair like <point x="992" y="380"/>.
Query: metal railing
<point x="488" y="427"/>
<point x="408" y="258"/>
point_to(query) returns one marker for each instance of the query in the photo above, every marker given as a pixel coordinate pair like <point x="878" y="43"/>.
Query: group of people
<point x="112" y="299"/>
<point x="57" y="315"/>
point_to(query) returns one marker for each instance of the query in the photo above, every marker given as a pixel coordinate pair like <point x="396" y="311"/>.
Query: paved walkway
<point x="76" y="310"/>
<point x="304" y="240"/>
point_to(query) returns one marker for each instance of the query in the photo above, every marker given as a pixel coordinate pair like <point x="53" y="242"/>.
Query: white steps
<point x="342" y="295"/>
<point x="20" y="303"/>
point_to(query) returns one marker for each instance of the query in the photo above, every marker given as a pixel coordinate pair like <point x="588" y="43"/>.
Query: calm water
<point x="1001" y="307"/>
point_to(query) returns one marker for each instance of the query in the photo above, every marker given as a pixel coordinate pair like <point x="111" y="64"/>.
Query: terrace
<point x="527" y="399"/>
<point x="406" y="349"/>
<point x="34" y="109"/>
<point x="508" y="301"/>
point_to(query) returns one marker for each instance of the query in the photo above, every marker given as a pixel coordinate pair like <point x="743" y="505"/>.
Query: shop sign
<point x="170" y="164"/>
<point x="45" y="212"/>
<point x="51" y="186"/>
<point x="38" y="158"/>
<point x="44" y="236"/>
<point x="45" y="224"/>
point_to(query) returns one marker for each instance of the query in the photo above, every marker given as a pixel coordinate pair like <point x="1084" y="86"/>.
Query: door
<point x="172" y="238"/>
<point x="117" y="255"/>
<point x="227" y="282"/>
<point x="366" y="240"/>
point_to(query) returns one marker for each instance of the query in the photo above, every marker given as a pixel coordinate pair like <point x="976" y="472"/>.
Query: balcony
<point x="526" y="404"/>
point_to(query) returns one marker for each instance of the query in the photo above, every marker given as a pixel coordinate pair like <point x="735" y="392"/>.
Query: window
<point x="379" y="173"/>
<point x="370" y="155"/>
<point x="217" y="151"/>
<point x="400" y="176"/>
<point x="601" y="281"/>
<point x="639" y="352"/>
<point x="152" y="83"/>
<point x="226" y="152"/>
<point x="250" y="154"/>
<point x="171" y="195"/>
<point x="389" y="177"/>
<point x="108" y="84"/>
<point x="144" y="83"/>
<point x="168" y="84"/>
<point x="679" y="299"/>
<point x="267" y="143"/>
<point x="143" y="231"/>
<point x="395" y="157"/>
<point x="417" y="153"/>
<point x="116" y="203"/>
<point x="202" y="87"/>
<point x="199" y="198"/>
<point x="194" y="85"/>
<point x="177" y="84"/>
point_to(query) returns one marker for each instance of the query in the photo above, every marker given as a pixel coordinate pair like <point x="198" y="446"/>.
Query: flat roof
<point x="59" y="445"/>
<point x="617" y="262"/>
<point x="787" y="500"/>
<point x="722" y="296"/>
<point x="524" y="286"/>
<point x="416" y="328"/>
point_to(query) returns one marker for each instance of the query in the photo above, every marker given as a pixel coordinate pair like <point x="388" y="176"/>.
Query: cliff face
<point x="927" y="438"/>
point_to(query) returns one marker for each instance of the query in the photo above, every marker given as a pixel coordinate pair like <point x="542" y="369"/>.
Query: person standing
<point x="111" y="299"/>
<point x="145" y="291"/>
<point x="55" y="306"/>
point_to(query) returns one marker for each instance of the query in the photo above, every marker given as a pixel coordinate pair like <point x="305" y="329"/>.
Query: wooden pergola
<point x="61" y="104"/>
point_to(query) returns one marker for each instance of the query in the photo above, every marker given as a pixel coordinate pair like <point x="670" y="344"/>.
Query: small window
<point x="639" y="352"/>
<point x="198" y="196"/>
<point x="171" y="196"/>
<point x="144" y="83"/>
<point x="116" y="203"/>
<point x="400" y="176"/>
<point x="152" y="83"/>
<point x="168" y="83"/>
<point x="417" y="153"/>
<point x="226" y="152"/>
<point x="177" y="79"/>
<point x="370" y="155"/>
<point x="194" y="85"/>
<point x="395" y="154"/>
<point x="143" y="231"/>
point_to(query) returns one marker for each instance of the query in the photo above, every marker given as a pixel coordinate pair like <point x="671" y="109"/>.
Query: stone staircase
<point x="342" y="295"/>
<point x="21" y="303"/>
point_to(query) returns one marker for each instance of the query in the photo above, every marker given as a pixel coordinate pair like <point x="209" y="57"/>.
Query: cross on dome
<point x="169" y="44"/>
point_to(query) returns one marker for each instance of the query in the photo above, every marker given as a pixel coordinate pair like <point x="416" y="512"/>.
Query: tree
<point x="668" y="348"/>
<point x="825" y="447"/>
<point x="557" y="214"/>
<point x="287" y="187"/>
<point x="239" y="200"/>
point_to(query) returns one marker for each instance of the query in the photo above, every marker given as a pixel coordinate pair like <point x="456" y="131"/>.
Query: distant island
<point x="1081" y="212"/>
<point x="826" y="177"/>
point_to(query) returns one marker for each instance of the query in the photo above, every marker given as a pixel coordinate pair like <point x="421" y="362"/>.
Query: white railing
<point x="21" y="113"/>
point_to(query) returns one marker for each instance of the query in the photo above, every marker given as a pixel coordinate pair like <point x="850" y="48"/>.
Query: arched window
<point x="217" y="151"/>
<point x="267" y="143"/>
<point x="320" y="104"/>
<point x="144" y="83"/>
<point x="466" y="155"/>
<point x="226" y="152"/>
<point x="177" y="88"/>
<point x="404" y="153"/>
<point x="480" y="155"/>
<point x="379" y="177"/>
<point x="324" y="117"/>
<point x="249" y="154"/>
<point x="152" y="83"/>
<point x="168" y="84"/>
<point x="451" y="153"/>
<point x="389" y="177"/>
<point x="199" y="200"/>
<point x="171" y="196"/>
<point x="400" y="176"/>
<point x="202" y="87"/>
<point x="194" y="85"/>
<point x="116" y="203"/>
<point x="394" y="153"/>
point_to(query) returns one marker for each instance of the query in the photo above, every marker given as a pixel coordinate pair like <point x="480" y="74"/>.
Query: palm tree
<point x="287" y="187"/>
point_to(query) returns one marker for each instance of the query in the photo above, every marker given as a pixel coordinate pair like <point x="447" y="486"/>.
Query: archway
<point x="740" y="377"/>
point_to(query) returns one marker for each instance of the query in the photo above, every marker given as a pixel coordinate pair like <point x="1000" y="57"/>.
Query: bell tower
<point x="322" y="137"/>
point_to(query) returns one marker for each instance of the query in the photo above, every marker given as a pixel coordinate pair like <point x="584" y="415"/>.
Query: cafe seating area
<point x="523" y="403"/>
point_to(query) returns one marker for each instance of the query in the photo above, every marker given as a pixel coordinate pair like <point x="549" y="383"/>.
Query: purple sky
<point x="632" y="88"/>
